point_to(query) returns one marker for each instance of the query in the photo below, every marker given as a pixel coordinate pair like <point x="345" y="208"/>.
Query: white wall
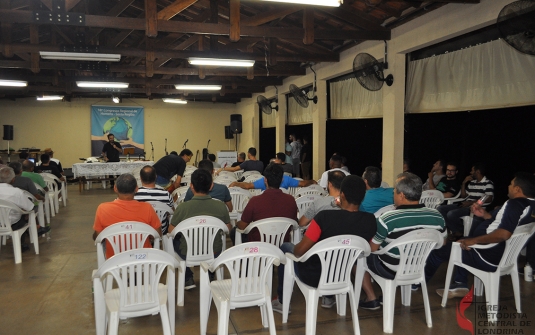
<point x="65" y="126"/>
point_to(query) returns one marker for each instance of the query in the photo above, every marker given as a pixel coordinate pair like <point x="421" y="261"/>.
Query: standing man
<point x="112" y="150"/>
<point x="295" y="154"/>
<point x="434" y="176"/>
<point x="376" y="196"/>
<point x="306" y="158"/>
<point x="171" y="165"/>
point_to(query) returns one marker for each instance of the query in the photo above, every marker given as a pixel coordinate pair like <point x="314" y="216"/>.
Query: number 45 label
<point x="345" y="241"/>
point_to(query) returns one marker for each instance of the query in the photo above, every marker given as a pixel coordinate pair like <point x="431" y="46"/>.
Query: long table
<point x="95" y="171"/>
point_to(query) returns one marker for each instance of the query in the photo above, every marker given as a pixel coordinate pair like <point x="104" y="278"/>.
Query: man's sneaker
<point x="328" y="302"/>
<point x="415" y="287"/>
<point x="456" y="290"/>
<point x="372" y="305"/>
<point x="277" y="306"/>
<point x="190" y="283"/>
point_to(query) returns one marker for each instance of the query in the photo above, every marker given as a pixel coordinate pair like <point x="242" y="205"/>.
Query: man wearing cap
<point x="53" y="160"/>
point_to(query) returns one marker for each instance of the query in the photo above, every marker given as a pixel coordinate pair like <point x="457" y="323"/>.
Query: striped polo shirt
<point x="406" y="218"/>
<point x="476" y="189"/>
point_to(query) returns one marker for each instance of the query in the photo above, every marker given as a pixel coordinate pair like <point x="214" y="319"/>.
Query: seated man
<point x="259" y="184"/>
<point x="335" y="163"/>
<point x="449" y="186"/>
<point x="24" y="183"/>
<point x="280" y="158"/>
<point x="331" y="201"/>
<point x="251" y="165"/>
<point x="169" y="166"/>
<point x="47" y="167"/>
<point x="241" y="159"/>
<point x="408" y="216"/>
<point x="434" y="176"/>
<point x="376" y="197"/>
<point x="473" y="188"/>
<point x="56" y="161"/>
<point x="497" y="227"/>
<point x="329" y="223"/>
<point x="124" y="208"/>
<point x="27" y="171"/>
<point x="150" y="192"/>
<point x="23" y="155"/>
<point x="217" y="191"/>
<point x="211" y="157"/>
<point x="271" y="203"/>
<point x="15" y="195"/>
<point x="201" y="204"/>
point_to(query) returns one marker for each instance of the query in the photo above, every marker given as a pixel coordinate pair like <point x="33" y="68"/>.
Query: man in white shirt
<point x="335" y="163"/>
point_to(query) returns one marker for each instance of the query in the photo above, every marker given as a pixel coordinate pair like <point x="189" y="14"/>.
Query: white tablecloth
<point x="103" y="169"/>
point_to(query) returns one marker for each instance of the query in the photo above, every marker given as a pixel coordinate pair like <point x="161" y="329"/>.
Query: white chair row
<point x="5" y="229"/>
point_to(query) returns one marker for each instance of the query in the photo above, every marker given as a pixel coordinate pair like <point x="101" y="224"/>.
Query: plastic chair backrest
<point x="50" y="183"/>
<point x="515" y="243"/>
<point x="303" y="202"/>
<point x="161" y="209"/>
<point x="249" y="264"/>
<point x="383" y="210"/>
<point x="250" y="173"/>
<point x="200" y="233"/>
<point x="240" y="198"/>
<point x="255" y="191"/>
<point x="414" y="247"/>
<point x="312" y="189"/>
<point x="125" y="236"/>
<point x="5" y="222"/>
<point x="272" y="230"/>
<point x="185" y="180"/>
<point x="337" y="255"/>
<point x="224" y="181"/>
<point x="432" y="198"/>
<point x="137" y="274"/>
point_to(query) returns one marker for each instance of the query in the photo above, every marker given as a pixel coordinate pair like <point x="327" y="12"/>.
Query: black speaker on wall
<point x="8" y="132"/>
<point x="228" y="133"/>
<point x="235" y="123"/>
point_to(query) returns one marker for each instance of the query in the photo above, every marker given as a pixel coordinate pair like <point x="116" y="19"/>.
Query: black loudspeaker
<point x="235" y="123"/>
<point x="228" y="133"/>
<point x="8" y="132"/>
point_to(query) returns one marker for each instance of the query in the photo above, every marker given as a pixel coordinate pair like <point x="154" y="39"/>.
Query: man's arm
<point x="246" y="186"/>
<point x="305" y="183"/>
<point x="463" y="186"/>
<point x="374" y="247"/>
<point x="304" y="221"/>
<point x="229" y="168"/>
<point x="95" y="234"/>
<point x="497" y="236"/>
<point x="118" y="147"/>
<point x="241" y="225"/>
<point x="176" y="184"/>
<point x="302" y="247"/>
<point x="229" y="205"/>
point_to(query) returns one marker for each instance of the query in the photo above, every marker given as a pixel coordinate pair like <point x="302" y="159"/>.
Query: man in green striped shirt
<point x="409" y="215"/>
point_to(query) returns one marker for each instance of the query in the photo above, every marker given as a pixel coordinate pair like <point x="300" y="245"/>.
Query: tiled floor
<point x="50" y="293"/>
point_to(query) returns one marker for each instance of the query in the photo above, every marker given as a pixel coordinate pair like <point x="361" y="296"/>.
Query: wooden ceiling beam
<point x="151" y="18"/>
<point x="270" y="15"/>
<point x="308" y="25"/>
<point x="234" y="33"/>
<point x="349" y="16"/>
<point x="173" y="9"/>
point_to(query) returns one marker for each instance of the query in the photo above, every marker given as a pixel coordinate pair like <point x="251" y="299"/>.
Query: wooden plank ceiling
<point x="155" y="38"/>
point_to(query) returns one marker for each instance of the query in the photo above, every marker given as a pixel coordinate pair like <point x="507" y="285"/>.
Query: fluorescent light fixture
<point x="175" y="101"/>
<point x="330" y="3"/>
<point x="99" y="84"/>
<point x="220" y="62"/>
<point x="199" y="87"/>
<point x="50" y="97"/>
<point x="85" y="56"/>
<point x="13" y="83"/>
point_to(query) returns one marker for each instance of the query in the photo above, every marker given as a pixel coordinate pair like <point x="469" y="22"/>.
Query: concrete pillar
<point x="280" y="133"/>
<point x="319" y="127"/>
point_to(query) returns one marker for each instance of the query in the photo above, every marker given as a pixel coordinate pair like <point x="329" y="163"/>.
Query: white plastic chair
<point x="162" y="210"/>
<point x="186" y="180"/>
<point x="255" y="191"/>
<point x="40" y="207"/>
<point x="200" y="233"/>
<point x="383" y="210"/>
<point x="337" y="255"/>
<point x="312" y="189"/>
<point x="250" y="266"/>
<point x="5" y="228"/>
<point x="272" y="230"/>
<point x="288" y="174"/>
<point x="240" y="198"/>
<point x="250" y="173"/>
<point x="63" y="190"/>
<point x="414" y="248"/>
<point x="293" y="191"/>
<point x="432" y="198"/>
<point x="252" y="178"/>
<point x="137" y="274"/>
<point x="490" y="281"/>
<point x="224" y="180"/>
<point x="178" y="192"/>
<point x="454" y="199"/>
<point x="302" y="205"/>
<point x="53" y="194"/>
<point x="238" y="174"/>
<point x="46" y="204"/>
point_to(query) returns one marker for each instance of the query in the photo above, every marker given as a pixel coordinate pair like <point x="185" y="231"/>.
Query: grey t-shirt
<point x="325" y="203"/>
<point x="25" y="183"/>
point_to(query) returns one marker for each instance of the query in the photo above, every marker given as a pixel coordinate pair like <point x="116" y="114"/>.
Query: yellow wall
<point x="65" y="126"/>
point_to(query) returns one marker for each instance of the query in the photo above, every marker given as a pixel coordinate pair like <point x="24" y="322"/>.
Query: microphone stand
<point x="166" y="153"/>
<point x="184" y="146"/>
<point x="152" y="151"/>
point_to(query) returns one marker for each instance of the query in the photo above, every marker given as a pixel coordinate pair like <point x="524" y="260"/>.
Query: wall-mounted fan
<point x="301" y="96"/>
<point x="516" y="23"/>
<point x="369" y="71"/>
<point x="265" y="103"/>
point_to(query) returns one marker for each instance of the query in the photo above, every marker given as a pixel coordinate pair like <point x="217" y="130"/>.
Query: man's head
<point x="201" y="181"/>
<point x="147" y="175"/>
<point x="241" y="157"/>
<point x="372" y="177"/>
<point x="45" y="159"/>
<point x="211" y="157"/>
<point x="6" y="175"/>
<point x="186" y="155"/>
<point x="17" y="167"/>
<point x="451" y="170"/>
<point x="206" y="165"/>
<point x="27" y="166"/>
<point x="334" y="180"/>
<point x="438" y="167"/>
<point x="273" y="175"/>
<point x="111" y="138"/>
<point x="24" y="155"/>
<point x="335" y="162"/>
<point x="173" y="153"/>
<point x="251" y="153"/>
<point x="280" y="158"/>
<point x="49" y="152"/>
<point x="408" y="189"/>
<point x="522" y="186"/>
<point x="292" y="137"/>
<point x="126" y="185"/>
<point x="478" y="171"/>
<point x="352" y="190"/>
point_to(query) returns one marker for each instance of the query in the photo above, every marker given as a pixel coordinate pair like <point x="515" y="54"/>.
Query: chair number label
<point x="140" y="256"/>
<point x="128" y="226"/>
<point x="201" y="221"/>
<point x="252" y="250"/>
<point x="345" y="241"/>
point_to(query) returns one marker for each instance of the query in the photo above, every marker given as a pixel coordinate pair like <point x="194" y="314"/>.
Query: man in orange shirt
<point x="125" y="208"/>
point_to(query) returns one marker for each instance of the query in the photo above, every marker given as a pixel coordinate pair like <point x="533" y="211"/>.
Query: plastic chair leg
<point x="341" y="304"/>
<point x="406" y="293"/>
<point x="479" y="288"/>
<point x="270" y="317"/>
<point x="113" y="324"/>
<point x="492" y="291"/>
<point x="205" y="301"/>
<point x="455" y="255"/>
<point x="354" y="304"/>
<point x="165" y="320"/>
<point x="389" y="299"/>
<point x="181" y="284"/>
<point x="516" y="288"/>
<point x="223" y="317"/>
<point x="34" y="237"/>
<point x="17" y="246"/>
<point x="427" y="307"/>
<point x="287" y="289"/>
<point x="311" y="311"/>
